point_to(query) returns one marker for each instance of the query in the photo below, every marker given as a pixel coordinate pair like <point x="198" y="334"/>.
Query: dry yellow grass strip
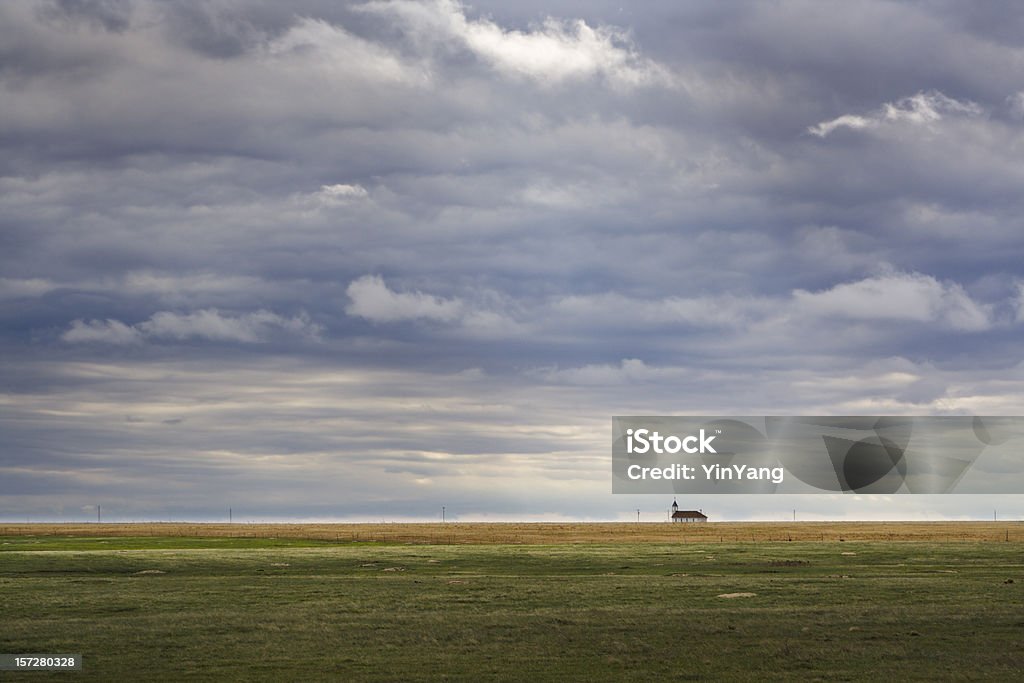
<point x="555" y="533"/>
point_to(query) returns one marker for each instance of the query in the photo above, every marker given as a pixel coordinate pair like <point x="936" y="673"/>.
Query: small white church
<point x="678" y="515"/>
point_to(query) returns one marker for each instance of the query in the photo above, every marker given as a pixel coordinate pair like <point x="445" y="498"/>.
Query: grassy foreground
<point x="248" y="608"/>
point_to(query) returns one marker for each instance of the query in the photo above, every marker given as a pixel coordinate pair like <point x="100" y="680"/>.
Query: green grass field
<point x="291" y="609"/>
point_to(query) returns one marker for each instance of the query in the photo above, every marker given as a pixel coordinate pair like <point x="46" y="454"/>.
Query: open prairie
<point x="548" y="533"/>
<point x="517" y="602"/>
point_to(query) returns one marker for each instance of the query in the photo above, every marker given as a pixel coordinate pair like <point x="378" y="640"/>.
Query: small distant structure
<point x="686" y="515"/>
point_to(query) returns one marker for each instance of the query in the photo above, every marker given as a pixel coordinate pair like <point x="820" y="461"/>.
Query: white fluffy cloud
<point x="338" y="195"/>
<point x="899" y="296"/>
<point x="550" y="52"/>
<point x="845" y="121"/>
<point x="893" y="296"/>
<point x="920" y="109"/>
<point x="211" y="324"/>
<point x="486" y="316"/>
<point x="101" y="331"/>
<point x="342" y="192"/>
<point x="927" y="107"/>
<point x="208" y="324"/>
<point x="372" y="299"/>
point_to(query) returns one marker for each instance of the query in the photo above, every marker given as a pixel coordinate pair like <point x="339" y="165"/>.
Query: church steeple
<point x="675" y="506"/>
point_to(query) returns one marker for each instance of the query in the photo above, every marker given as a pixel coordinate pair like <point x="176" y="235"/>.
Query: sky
<point x="359" y="261"/>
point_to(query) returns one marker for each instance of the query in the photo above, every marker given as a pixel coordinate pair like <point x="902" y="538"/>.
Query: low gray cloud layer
<point x="362" y="260"/>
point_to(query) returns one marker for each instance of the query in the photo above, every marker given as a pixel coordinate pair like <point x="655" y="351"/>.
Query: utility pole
<point x="97" y="514"/>
<point x="794" y="515"/>
<point x="442" y="514"/>
<point x="638" y="515"/>
<point x="229" y="516"/>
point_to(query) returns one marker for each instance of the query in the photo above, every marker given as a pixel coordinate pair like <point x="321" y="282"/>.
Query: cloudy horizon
<point x="360" y="261"/>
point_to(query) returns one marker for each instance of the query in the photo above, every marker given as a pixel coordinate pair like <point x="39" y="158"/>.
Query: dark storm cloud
<point x="423" y="250"/>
